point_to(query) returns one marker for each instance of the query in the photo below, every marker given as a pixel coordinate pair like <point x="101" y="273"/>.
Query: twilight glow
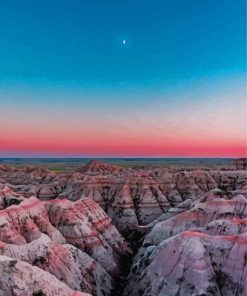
<point x="137" y="78"/>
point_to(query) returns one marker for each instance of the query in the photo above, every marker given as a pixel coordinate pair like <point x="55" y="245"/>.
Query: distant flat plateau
<point x="70" y="164"/>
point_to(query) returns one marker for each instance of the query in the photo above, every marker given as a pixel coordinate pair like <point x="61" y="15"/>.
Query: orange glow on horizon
<point x="148" y="132"/>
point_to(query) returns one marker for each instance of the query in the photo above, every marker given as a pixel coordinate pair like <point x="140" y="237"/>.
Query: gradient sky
<point x="70" y="87"/>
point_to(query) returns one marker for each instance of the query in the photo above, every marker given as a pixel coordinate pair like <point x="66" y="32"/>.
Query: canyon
<point x="106" y="230"/>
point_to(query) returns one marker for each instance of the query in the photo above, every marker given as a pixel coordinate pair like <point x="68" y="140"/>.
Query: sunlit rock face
<point x="187" y="226"/>
<point x="130" y="197"/>
<point x="213" y="208"/>
<point x="73" y="241"/>
<point x="20" y="278"/>
<point x="201" y="251"/>
<point x="97" y="166"/>
<point x="192" y="263"/>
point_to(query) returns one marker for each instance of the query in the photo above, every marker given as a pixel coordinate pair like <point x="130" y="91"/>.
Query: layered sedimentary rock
<point x="97" y="166"/>
<point x="201" y="251"/>
<point x="213" y="208"/>
<point x="19" y="278"/>
<point x="75" y="242"/>
<point x="8" y="197"/>
<point x="190" y="226"/>
<point x="130" y="197"/>
<point x="192" y="263"/>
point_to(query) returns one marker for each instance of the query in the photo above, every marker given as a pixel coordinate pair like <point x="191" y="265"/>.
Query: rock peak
<point x="98" y="166"/>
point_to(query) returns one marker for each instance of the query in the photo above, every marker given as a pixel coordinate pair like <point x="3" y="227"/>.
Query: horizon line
<point x="125" y="157"/>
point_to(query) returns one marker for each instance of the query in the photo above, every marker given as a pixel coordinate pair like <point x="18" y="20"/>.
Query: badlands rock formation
<point x="75" y="242"/>
<point x="8" y="197"/>
<point x="57" y="235"/>
<point x="97" y="166"/>
<point x="129" y="196"/>
<point x="201" y="251"/>
<point x="19" y="278"/>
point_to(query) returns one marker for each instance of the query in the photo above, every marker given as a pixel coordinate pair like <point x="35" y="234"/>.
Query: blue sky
<point x="80" y="41"/>
<point x="62" y="52"/>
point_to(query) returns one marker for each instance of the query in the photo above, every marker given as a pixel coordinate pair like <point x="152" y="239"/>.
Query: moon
<point x="124" y="41"/>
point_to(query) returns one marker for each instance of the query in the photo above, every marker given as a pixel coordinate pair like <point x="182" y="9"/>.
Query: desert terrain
<point x="106" y="228"/>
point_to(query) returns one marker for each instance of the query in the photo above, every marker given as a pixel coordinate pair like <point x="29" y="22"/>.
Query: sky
<point x="149" y="78"/>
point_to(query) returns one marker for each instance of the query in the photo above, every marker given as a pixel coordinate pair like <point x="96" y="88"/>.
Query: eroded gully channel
<point x="134" y="239"/>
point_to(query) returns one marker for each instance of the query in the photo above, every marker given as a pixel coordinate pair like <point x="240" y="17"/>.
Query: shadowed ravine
<point x="135" y="239"/>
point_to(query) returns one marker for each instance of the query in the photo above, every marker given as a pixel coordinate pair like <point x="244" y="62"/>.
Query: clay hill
<point x="71" y="234"/>
<point x="97" y="166"/>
